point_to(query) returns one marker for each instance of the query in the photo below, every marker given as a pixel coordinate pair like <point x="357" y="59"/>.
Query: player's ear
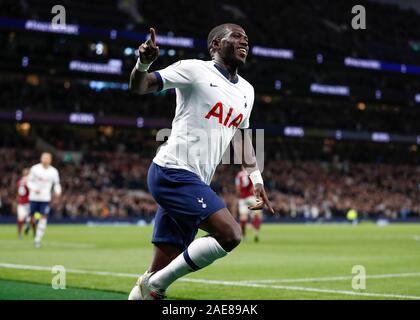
<point x="215" y="44"/>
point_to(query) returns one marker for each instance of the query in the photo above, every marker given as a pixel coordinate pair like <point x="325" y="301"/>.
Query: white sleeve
<point x="178" y="75"/>
<point x="245" y="123"/>
<point x="57" y="185"/>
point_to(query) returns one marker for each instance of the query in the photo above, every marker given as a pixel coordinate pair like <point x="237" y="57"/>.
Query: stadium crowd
<point x="313" y="189"/>
<point x="113" y="184"/>
<point x="110" y="178"/>
<point x="103" y="185"/>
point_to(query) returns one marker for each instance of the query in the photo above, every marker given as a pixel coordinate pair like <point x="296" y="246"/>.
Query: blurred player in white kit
<point x="42" y="179"/>
<point x="245" y="192"/>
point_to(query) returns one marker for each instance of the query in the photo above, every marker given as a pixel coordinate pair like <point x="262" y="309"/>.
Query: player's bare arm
<point x="141" y="81"/>
<point x="245" y="151"/>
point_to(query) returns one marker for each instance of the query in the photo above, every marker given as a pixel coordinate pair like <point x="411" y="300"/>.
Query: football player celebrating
<point x="213" y="102"/>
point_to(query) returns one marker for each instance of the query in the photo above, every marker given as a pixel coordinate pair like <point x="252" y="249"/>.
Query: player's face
<point x="234" y="45"/>
<point x="46" y="159"/>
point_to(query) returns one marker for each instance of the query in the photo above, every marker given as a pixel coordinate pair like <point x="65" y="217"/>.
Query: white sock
<point x="40" y="229"/>
<point x="199" y="254"/>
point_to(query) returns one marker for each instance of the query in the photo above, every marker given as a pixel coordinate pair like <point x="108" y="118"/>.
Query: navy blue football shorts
<point x="184" y="202"/>
<point x="39" y="206"/>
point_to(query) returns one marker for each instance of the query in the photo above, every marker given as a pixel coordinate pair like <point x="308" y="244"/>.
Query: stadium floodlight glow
<point x="294" y="131"/>
<point x="319" y="58"/>
<point x="19" y="115"/>
<point x="272" y="52"/>
<point x="113" y="66"/>
<point x="140" y="122"/>
<point x="171" y="52"/>
<point x="49" y="27"/>
<point x="25" y="62"/>
<point x="380" y="137"/>
<point x="417" y="98"/>
<point x="113" y="34"/>
<point x="128" y="51"/>
<point x="99" y="48"/>
<point x="362" y="63"/>
<point x="328" y="89"/>
<point x="81" y="118"/>
<point x="100" y="85"/>
<point x="175" y="41"/>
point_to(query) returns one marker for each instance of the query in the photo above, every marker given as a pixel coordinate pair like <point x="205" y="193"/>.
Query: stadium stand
<point x="317" y="176"/>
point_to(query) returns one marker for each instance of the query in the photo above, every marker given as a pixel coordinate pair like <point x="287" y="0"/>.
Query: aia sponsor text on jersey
<point x="217" y="111"/>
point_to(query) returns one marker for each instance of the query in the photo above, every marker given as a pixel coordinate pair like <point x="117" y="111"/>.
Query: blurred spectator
<point x="107" y="184"/>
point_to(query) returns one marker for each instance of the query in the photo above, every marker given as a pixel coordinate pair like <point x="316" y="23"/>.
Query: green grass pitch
<point x="290" y="262"/>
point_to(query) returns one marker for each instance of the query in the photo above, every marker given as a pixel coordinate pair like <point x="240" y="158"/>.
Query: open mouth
<point x="243" y="51"/>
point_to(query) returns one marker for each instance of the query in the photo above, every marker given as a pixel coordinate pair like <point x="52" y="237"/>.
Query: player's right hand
<point x="262" y="199"/>
<point x="148" y="50"/>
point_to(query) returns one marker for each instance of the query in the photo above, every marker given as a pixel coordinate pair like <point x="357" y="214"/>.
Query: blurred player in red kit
<point x="23" y="201"/>
<point x="245" y="192"/>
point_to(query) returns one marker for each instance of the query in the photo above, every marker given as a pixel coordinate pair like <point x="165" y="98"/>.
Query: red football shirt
<point x="23" y="191"/>
<point x="245" y="185"/>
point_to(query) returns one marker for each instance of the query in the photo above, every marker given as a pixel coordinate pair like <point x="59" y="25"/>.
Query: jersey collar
<point x="226" y="74"/>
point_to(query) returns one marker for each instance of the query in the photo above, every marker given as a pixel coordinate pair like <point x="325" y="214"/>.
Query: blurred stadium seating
<point x="353" y="144"/>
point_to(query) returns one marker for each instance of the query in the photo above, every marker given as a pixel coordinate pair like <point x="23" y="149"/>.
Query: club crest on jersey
<point x="201" y="201"/>
<point x="217" y="112"/>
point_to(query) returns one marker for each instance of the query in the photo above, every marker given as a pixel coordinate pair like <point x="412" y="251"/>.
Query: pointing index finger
<point x="153" y="35"/>
<point x="267" y="202"/>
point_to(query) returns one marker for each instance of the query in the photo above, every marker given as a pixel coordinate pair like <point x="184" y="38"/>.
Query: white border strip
<point x="233" y="283"/>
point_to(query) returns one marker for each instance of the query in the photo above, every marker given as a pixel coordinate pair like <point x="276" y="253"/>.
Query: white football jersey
<point x="41" y="181"/>
<point x="209" y="110"/>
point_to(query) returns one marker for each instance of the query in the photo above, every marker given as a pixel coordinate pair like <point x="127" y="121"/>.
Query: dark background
<point x="337" y="165"/>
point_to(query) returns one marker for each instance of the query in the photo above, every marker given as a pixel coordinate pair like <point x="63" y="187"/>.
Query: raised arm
<point x="141" y="81"/>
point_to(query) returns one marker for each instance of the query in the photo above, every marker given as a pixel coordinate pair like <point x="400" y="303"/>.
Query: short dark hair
<point x="218" y="32"/>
